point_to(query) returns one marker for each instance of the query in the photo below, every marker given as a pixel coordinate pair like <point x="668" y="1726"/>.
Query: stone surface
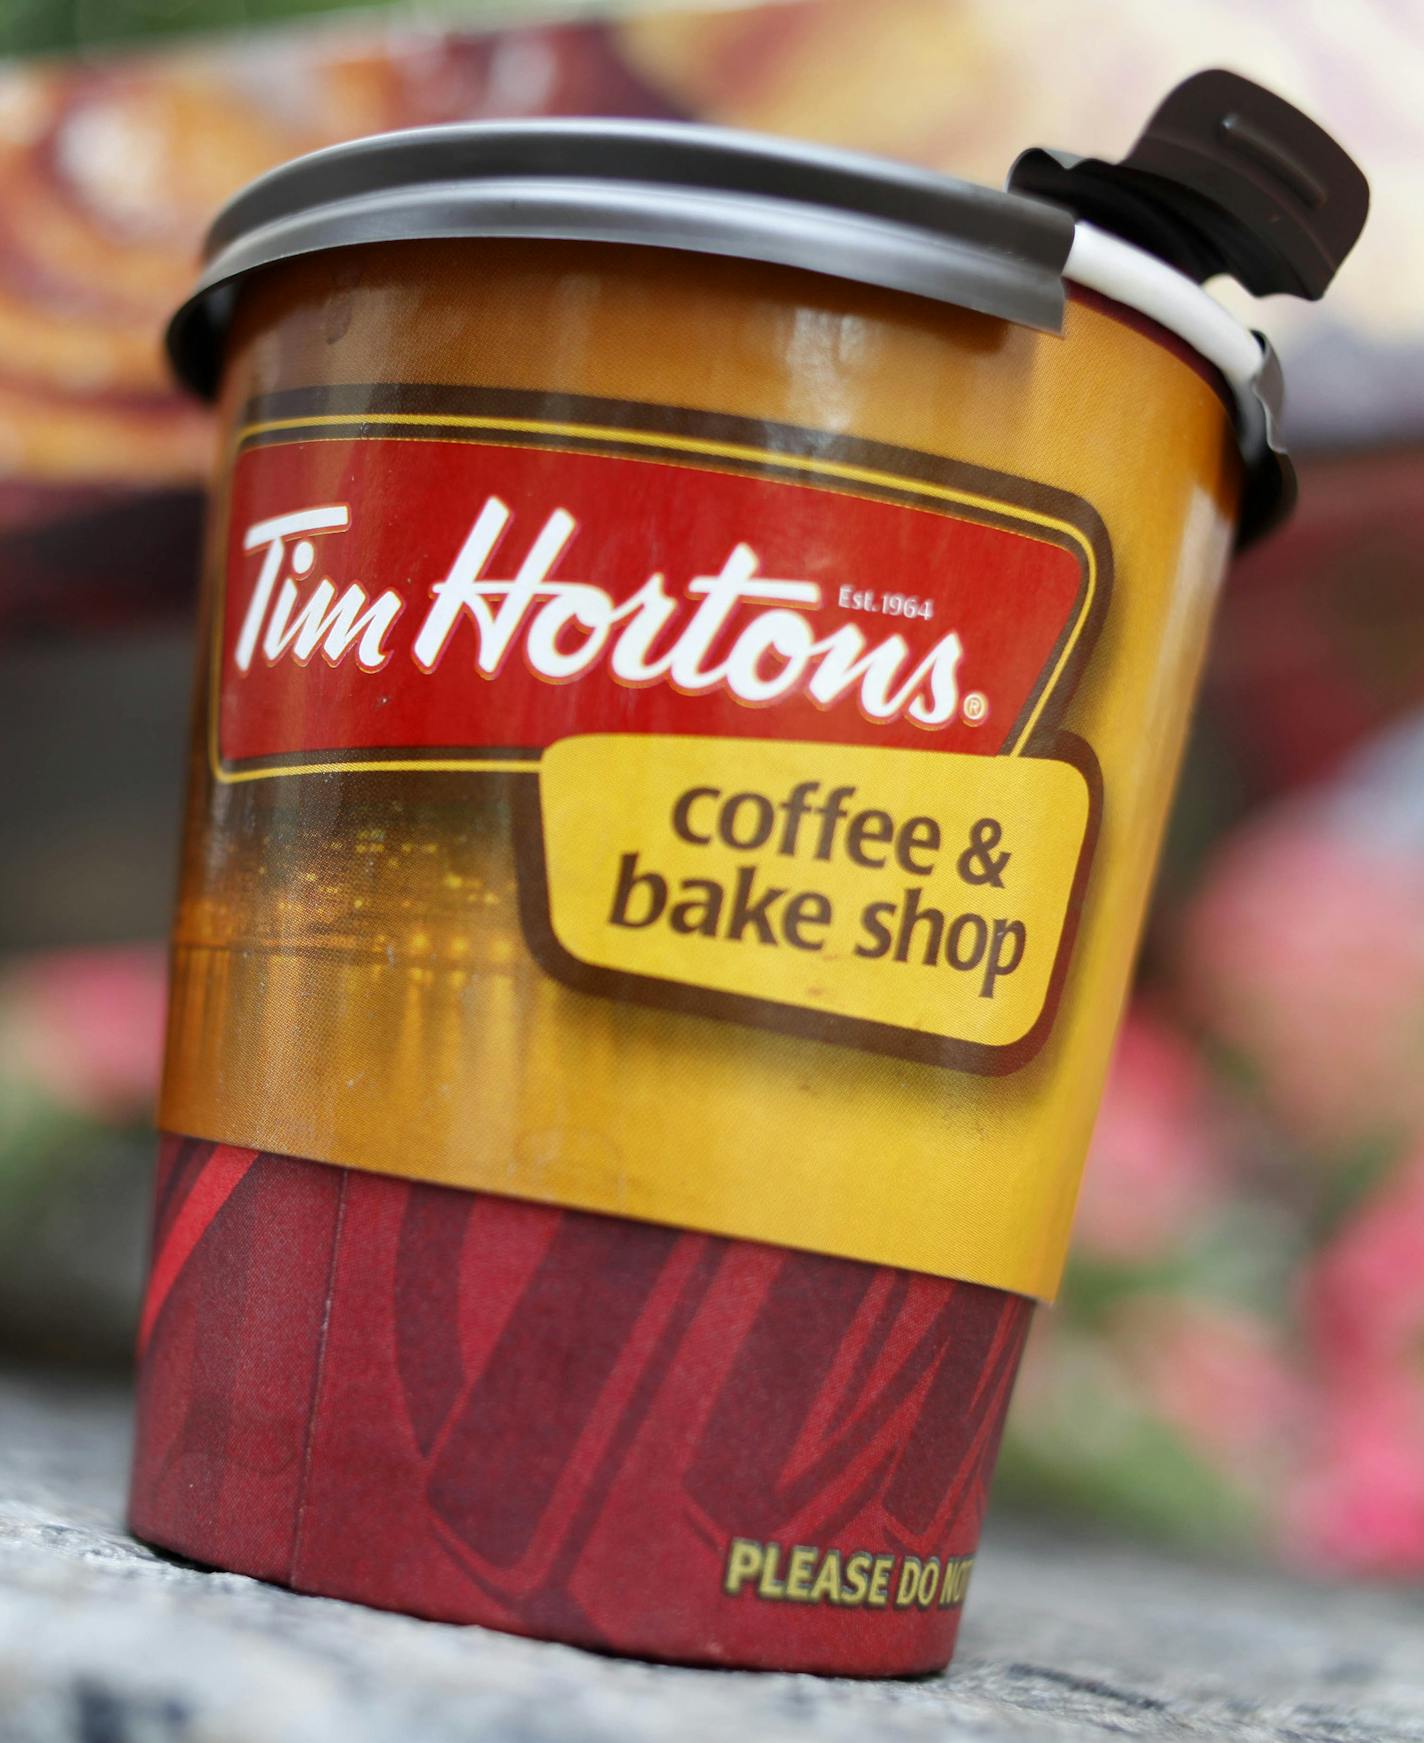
<point x="103" y="1642"/>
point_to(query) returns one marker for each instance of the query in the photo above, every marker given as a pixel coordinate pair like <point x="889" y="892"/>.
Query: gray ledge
<point x="101" y="1641"/>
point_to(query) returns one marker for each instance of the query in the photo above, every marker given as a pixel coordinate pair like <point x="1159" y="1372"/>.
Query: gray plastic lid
<point x="1227" y="177"/>
<point x="667" y="185"/>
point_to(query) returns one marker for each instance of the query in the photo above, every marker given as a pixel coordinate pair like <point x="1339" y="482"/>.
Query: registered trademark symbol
<point x="975" y="708"/>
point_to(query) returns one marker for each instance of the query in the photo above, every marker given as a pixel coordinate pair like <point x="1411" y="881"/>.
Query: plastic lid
<point x="1227" y="177"/>
<point x="667" y="185"/>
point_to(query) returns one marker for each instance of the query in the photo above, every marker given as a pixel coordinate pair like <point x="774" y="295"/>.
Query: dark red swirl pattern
<point x="483" y="1410"/>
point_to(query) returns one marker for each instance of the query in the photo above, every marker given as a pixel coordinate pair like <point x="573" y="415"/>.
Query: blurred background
<point x="1238" y="1358"/>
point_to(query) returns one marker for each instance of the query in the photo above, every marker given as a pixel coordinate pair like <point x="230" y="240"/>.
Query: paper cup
<point x="682" y="737"/>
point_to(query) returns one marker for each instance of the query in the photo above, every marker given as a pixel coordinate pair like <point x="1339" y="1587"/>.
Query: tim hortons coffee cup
<point x="697" y="637"/>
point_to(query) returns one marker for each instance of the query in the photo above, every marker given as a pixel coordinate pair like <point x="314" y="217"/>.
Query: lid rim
<point x="680" y="155"/>
<point x="699" y="189"/>
<point x="878" y="252"/>
<point x="1105" y="263"/>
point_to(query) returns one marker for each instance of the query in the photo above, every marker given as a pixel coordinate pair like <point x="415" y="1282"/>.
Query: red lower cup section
<point x="599" y="1431"/>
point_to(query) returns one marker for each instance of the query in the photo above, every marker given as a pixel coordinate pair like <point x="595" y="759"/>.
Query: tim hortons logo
<point x="737" y="631"/>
